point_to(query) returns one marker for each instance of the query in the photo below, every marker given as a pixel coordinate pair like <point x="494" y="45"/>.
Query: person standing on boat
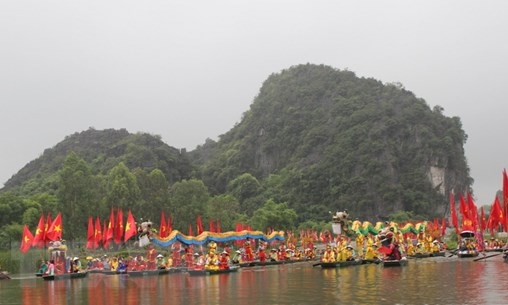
<point x="360" y="239"/>
<point x="249" y="256"/>
<point x="262" y="254"/>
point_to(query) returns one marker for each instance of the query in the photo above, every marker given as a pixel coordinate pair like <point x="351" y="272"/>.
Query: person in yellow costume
<point x="360" y="239"/>
<point x="349" y="253"/>
<point x="428" y="243"/>
<point x="371" y="252"/>
<point x="328" y="255"/>
<point x="114" y="263"/>
<point x="419" y="249"/>
<point x="212" y="262"/>
<point x="410" y="248"/>
<point x="341" y="250"/>
<point x="212" y="247"/>
<point x="435" y="246"/>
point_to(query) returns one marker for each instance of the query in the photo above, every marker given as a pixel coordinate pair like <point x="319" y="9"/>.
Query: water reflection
<point x="444" y="281"/>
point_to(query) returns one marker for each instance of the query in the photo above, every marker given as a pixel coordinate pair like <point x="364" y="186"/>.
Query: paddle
<point x="477" y="259"/>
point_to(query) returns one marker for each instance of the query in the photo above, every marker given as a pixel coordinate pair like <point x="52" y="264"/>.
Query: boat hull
<point x="394" y="263"/>
<point x="205" y="272"/>
<point x="65" y="276"/>
<point x="340" y="264"/>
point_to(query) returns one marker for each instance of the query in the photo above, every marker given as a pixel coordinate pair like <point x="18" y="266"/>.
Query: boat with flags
<point x="468" y="245"/>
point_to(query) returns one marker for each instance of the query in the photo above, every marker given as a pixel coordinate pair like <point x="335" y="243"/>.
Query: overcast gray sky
<point x="187" y="70"/>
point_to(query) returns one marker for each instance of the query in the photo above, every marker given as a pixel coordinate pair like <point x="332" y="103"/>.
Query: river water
<point x="441" y="280"/>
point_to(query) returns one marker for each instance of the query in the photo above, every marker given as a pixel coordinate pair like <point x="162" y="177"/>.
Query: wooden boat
<point x="437" y="253"/>
<point x="204" y="272"/>
<point x="371" y="261"/>
<point x="339" y="264"/>
<point x="270" y="263"/>
<point x="467" y="253"/>
<point x="65" y="276"/>
<point x="394" y="263"/>
<point x="4" y="275"/>
<point x="421" y="255"/>
<point x="494" y="250"/>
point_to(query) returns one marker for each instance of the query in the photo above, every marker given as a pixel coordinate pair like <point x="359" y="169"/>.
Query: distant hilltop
<point x="316" y="138"/>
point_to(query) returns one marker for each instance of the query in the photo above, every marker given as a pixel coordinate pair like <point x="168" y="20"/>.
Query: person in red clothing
<point x="249" y="256"/>
<point x="151" y="256"/>
<point x="224" y="260"/>
<point x="262" y="254"/>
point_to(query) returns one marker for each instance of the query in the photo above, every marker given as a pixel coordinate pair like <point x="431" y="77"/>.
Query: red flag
<point x="211" y="228"/>
<point x="190" y="231"/>
<point x="46" y="227"/>
<point x="483" y="220"/>
<point x="55" y="230"/>
<point x="463" y="207"/>
<point x="119" y="226"/>
<point x="199" y="225"/>
<point x="170" y="225"/>
<point x="105" y="241"/>
<point x="218" y="229"/>
<point x="111" y="224"/>
<point x="163" y="226"/>
<point x="496" y="215"/>
<point x="39" y="233"/>
<point x="505" y="200"/>
<point x="473" y="211"/>
<point x="97" y="233"/>
<point x="443" y="226"/>
<point x="453" y="211"/>
<point x="90" y="237"/>
<point x="130" y="227"/>
<point x="26" y="240"/>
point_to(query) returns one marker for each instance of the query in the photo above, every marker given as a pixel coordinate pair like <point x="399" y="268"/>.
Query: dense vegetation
<point x="314" y="140"/>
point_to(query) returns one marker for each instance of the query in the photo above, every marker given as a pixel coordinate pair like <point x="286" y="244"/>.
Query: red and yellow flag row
<point x="51" y="230"/>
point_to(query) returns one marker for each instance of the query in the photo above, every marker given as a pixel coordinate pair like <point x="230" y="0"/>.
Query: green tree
<point x="75" y="196"/>
<point x="247" y="189"/>
<point x="154" y="190"/>
<point x="274" y="215"/>
<point x="188" y="199"/>
<point x="225" y="209"/>
<point x="122" y="189"/>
